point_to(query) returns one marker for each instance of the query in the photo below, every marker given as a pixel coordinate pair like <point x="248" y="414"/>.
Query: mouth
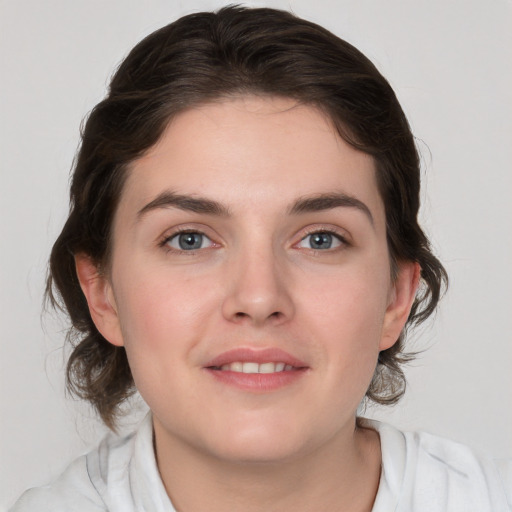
<point x="254" y="367"/>
<point x="256" y="370"/>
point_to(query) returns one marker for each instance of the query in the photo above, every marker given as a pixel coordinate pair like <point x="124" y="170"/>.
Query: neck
<point x="342" y="474"/>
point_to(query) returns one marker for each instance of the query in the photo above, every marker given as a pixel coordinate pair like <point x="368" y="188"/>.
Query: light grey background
<point x="450" y="64"/>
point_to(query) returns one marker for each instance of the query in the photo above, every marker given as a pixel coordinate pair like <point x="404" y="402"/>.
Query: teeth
<point x="236" y="367"/>
<point x="251" y="367"/>
<point x="267" y="368"/>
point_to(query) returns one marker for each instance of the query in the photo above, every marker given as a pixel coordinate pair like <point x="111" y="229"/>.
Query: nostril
<point x="241" y="315"/>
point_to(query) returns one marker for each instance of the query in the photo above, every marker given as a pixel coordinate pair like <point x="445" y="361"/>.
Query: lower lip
<point x="258" y="382"/>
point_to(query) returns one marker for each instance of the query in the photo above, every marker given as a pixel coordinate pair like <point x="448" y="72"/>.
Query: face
<point x="250" y="280"/>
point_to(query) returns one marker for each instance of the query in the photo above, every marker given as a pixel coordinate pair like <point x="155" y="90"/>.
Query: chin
<point x="260" y="443"/>
<point x="256" y="452"/>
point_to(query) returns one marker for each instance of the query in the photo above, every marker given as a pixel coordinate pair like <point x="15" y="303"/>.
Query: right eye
<point x="189" y="241"/>
<point x="322" y="241"/>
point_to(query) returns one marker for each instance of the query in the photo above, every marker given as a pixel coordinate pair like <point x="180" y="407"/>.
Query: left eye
<point x="189" y="241"/>
<point x="321" y="240"/>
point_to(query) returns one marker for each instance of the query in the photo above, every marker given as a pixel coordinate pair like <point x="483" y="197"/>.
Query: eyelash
<point x="344" y="243"/>
<point x="164" y="243"/>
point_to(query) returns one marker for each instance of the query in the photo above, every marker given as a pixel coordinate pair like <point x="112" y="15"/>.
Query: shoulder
<point x="72" y="491"/>
<point x="120" y="475"/>
<point x="428" y="472"/>
<point x="462" y="474"/>
<point x="83" y="485"/>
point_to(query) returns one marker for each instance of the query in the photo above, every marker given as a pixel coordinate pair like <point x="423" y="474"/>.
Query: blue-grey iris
<point x="190" y="241"/>
<point x="321" y="241"/>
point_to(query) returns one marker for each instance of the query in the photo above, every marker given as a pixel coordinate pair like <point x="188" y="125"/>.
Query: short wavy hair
<point x="206" y="57"/>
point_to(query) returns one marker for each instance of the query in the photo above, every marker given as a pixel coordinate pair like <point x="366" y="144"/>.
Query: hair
<point x="206" y="57"/>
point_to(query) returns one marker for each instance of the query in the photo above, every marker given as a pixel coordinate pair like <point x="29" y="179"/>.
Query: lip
<point x="256" y="382"/>
<point x="258" y="356"/>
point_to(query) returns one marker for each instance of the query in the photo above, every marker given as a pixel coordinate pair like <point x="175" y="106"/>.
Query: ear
<point x="402" y="296"/>
<point x="100" y="298"/>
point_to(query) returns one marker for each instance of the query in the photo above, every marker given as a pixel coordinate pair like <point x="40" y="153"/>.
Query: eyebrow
<point x="321" y="202"/>
<point x="170" y="199"/>
<point x="315" y="203"/>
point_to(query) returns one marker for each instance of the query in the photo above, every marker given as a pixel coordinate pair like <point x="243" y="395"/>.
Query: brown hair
<point x="203" y="57"/>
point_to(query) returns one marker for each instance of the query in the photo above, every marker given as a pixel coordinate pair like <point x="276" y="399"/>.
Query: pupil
<point x="189" y="241"/>
<point x="321" y="241"/>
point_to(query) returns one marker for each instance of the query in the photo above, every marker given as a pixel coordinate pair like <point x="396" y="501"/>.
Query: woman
<point x="243" y="250"/>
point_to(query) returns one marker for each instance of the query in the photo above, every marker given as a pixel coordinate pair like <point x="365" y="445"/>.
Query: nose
<point x="257" y="290"/>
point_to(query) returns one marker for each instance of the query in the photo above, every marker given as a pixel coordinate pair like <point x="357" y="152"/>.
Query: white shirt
<point x="420" y="473"/>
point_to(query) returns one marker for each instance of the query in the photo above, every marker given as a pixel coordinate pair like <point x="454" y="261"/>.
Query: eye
<point x="189" y="241"/>
<point x="321" y="240"/>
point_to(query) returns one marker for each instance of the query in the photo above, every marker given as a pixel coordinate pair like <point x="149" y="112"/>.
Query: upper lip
<point x="260" y="356"/>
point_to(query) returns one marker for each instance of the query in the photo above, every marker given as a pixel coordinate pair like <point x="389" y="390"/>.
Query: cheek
<point x="160" y="323"/>
<point x="346" y="320"/>
<point x="164" y="315"/>
<point x="351" y="300"/>
<point x="159" y="301"/>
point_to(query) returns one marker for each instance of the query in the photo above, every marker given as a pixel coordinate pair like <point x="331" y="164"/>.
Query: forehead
<point x="241" y="151"/>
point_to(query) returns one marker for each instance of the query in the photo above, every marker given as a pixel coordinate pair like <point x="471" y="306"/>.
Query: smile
<point x="256" y="370"/>
<point x="253" y="367"/>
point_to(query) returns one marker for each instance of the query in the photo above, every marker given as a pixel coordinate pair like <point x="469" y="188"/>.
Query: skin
<point x="257" y="282"/>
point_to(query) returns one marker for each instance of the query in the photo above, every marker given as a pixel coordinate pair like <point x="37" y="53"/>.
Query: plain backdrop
<point x="450" y="64"/>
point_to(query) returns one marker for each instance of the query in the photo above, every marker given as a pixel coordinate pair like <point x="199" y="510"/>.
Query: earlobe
<point x="401" y="300"/>
<point x="100" y="299"/>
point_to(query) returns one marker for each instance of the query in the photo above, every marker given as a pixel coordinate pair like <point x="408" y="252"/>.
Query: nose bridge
<point x="257" y="290"/>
